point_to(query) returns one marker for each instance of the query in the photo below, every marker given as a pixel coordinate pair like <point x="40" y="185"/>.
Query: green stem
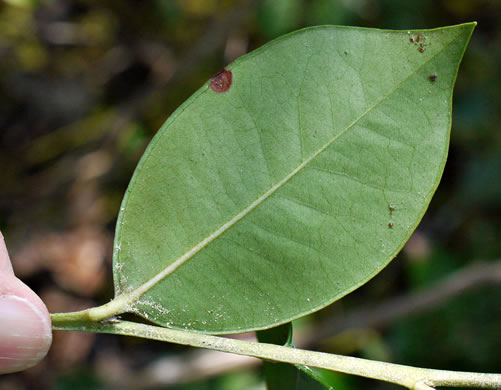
<point x="94" y="314"/>
<point x="411" y="377"/>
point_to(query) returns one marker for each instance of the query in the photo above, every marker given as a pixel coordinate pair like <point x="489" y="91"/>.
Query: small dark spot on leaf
<point x="412" y="39"/>
<point x="222" y="81"/>
<point x="433" y="77"/>
<point x="421" y="48"/>
<point x="391" y="208"/>
<point x="419" y="37"/>
<point x="390" y="225"/>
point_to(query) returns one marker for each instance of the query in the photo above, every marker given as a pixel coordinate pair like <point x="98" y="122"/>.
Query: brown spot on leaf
<point x="222" y="81"/>
<point x="433" y="77"/>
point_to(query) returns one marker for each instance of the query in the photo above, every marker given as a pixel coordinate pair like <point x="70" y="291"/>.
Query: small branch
<point x="380" y="315"/>
<point x="201" y="364"/>
<point x="422" y="386"/>
<point x="410" y="377"/>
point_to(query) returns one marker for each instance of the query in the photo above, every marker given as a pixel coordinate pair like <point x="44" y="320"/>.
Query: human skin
<point x="25" y="327"/>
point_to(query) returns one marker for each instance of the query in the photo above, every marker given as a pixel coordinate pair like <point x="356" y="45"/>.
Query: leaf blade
<point x="285" y="376"/>
<point x="259" y="177"/>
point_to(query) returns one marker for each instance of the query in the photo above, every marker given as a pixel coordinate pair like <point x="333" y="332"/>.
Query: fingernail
<point x="25" y="334"/>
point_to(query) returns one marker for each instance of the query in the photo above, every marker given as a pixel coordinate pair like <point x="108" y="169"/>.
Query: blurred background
<point x="84" y="86"/>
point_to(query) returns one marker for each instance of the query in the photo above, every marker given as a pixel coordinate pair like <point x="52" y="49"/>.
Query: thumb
<point x="25" y="328"/>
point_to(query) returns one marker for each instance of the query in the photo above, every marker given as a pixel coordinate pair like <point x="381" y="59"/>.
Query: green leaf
<point x="278" y="376"/>
<point x="269" y="201"/>
<point x="279" y="335"/>
<point x="283" y="376"/>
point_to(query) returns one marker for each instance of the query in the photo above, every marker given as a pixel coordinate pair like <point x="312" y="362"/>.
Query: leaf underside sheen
<point x="294" y="187"/>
